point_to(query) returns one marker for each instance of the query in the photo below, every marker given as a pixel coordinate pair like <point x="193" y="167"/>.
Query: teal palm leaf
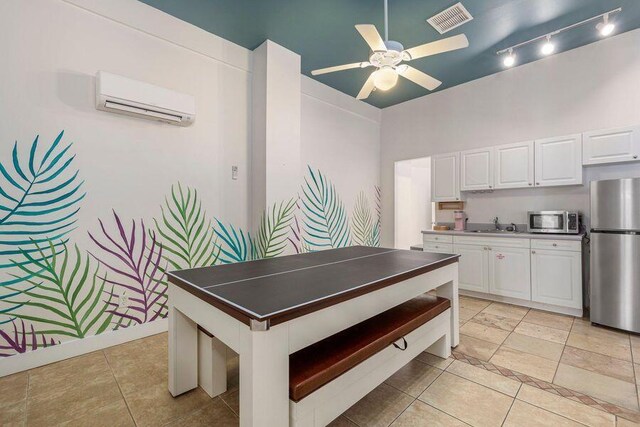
<point x="39" y="200"/>
<point x="325" y="219"/>
<point x="65" y="294"/>
<point x="271" y="239"/>
<point x="362" y="222"/>
<point x="234" y="244"/>
<point x="188" y="240"/>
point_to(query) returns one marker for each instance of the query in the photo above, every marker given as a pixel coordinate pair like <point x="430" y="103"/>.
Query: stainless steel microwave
<point x="561" y="222"/>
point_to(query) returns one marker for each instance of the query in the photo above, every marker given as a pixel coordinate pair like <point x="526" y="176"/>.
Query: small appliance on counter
<point x="559" y="222"/>
<point x="615" y="253"/>
<point x="460" y="219"/>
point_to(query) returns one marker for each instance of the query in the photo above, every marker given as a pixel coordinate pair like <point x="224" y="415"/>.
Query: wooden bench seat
<point x="315" y="366"/>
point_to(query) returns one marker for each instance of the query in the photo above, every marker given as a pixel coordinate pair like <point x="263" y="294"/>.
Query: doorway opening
<point x="413" y="209"/>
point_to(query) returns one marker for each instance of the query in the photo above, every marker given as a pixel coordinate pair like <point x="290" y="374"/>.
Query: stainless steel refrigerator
<point x="615" y="253"/>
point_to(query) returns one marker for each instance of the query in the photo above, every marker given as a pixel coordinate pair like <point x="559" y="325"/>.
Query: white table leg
<point x="183" y="352"/>
<point x="450" y="291"/>
<point x="264" y="377"/>
<point x="212" y="364"/>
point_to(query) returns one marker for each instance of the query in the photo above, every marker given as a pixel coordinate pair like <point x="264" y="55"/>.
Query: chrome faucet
<point x="497" y="223"/>
<point x="515" y="227"/>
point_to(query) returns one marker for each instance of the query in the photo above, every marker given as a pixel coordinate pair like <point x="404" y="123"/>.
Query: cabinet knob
<point x="530" y="184"/>
<point x="490" y="186"/>
<point x="490" y="248"/>
<point x="635" y="157"/>
<point x="533" y="252"/>
<point x="555" y="244"/>
<point x="537" y="183"/>
<point x="485" y="248"/>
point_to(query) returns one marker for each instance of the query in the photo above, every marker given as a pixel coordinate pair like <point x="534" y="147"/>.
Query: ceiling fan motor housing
<point x="392" y="57"/>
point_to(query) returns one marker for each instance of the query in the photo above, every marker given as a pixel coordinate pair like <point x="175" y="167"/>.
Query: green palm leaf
<point x="39" y="200"/>
<point x="65" y="294"/>
<point x="271" y="239"/>
<point x="378" y="222"/>
<point x="362" y="222"/>
<point x="325" y="222"/>
<point x="188" y="239"/>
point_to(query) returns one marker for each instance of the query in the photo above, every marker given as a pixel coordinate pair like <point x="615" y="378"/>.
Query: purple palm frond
<point x="22" y="340"/>
<point x="134" y="257"/>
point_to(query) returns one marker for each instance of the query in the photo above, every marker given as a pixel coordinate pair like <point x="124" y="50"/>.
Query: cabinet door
<point x="438" y="248"/>
<point x="558" y="161"/>
<point x="611" y="146"/>
<point x="473" y="274"/>
<point x="476" y="167"/>
<point x="514" y="165"/>
<point x="509" y="272"/>
<point x="445" y="184"/>
<point x="556" y="277"/>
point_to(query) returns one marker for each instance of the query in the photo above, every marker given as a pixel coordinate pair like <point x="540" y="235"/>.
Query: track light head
<point x="548" y="47"/>
<point x="510" y="59"/>
<point x="605" y="27"/>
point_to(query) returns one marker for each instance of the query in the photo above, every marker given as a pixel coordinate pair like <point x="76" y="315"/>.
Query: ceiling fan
<point x="387" y="56"/>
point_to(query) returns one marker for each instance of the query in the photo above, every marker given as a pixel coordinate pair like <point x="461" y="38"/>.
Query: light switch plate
<point x="234" y="172"/>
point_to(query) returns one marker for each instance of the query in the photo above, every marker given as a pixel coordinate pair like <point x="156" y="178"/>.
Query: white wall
<point x="592" y="87"/>
<point x="412" y="201"/>
<point x="52" y="52"/>
<point x="341" y="137"/>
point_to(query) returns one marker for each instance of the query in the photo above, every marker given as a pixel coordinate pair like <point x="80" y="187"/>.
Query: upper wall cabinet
<point x="476" y="170"/>
<point x="514" y="165"/>
<point x="611" y="146"/>
<point x="445" y="182"/>
<point x="558" y="161"/>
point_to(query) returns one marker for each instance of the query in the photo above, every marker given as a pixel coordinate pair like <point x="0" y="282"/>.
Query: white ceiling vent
<point x="450" y="18"/>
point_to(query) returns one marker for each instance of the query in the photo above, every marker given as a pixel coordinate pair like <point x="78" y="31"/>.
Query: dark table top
<point x="283" y="288"/>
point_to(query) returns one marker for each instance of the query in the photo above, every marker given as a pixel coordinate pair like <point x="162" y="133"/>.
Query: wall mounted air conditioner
<point x="122" y="95"/>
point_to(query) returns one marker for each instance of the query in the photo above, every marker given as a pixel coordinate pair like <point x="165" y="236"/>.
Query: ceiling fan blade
<point x="366" y="89"/>
<point x="420" y="78"/>
<point x="445" y="45"/>
<point x="339" y="68"/>
<point x="371" y="35"/>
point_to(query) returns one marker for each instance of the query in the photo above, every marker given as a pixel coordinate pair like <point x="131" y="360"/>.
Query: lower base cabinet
<point x="509" y="272"/>
<point x="473" y="267"/>
<point x="556" y="277"/>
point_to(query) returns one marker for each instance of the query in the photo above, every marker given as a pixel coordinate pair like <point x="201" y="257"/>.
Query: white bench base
<point x="327" y="403"/>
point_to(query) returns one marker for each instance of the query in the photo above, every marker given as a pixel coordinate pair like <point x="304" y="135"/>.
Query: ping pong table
<point x="267" y="309"/>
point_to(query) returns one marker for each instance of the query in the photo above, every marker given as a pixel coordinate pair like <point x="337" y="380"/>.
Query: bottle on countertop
<point x="460" y="222"/>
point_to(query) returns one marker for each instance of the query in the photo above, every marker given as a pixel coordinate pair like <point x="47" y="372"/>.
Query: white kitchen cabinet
<point x="558" y="161"/>
<point x="476" y="170"/>
<point x="510" y="272"/>
<point x="445" y="178"/>
<point x="611" y="146"/>
<point x="473" y="267"/>
<point x="514" y="166"/>
<point x="556" y="277"/>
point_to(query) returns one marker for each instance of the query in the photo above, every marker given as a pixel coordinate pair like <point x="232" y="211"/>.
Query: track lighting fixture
<point x="604" y="27"/>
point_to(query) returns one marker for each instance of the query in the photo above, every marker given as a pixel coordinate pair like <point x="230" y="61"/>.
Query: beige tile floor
<point x="127" y="385"/>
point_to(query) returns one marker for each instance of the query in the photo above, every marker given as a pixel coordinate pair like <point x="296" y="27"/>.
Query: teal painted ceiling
<point x="323" y="33"/>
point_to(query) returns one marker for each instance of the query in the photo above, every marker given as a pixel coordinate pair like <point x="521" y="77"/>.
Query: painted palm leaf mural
<point x="378" y="220"/>
<point x="362" y="222"/>
<point x="271" y="239"/>
<point x="21" y="340"/>
<point x="40" y="195"/>
<point x="133" y="257"/>
<point x="187" y="236"/>
<point x="326" y="224"/>
<point x="65" y="296"/>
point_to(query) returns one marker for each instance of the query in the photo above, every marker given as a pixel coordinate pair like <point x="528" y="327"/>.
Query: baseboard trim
<point x="529" y="304"/>
<point x="33" y="359"/>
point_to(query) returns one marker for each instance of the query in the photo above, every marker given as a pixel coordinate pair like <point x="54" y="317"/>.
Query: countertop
<point x="517" y="235"/>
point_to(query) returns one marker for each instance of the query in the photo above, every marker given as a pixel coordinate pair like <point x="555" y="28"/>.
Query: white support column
<point x="450" y="291"/>
<point x="276" y="110"/>
<point x="264" y="377"/>
<point x="183" y="352"/>
<point x="212" y="364"/>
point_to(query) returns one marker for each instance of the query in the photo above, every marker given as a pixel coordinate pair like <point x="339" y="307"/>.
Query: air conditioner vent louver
<point x="450" y="18"/>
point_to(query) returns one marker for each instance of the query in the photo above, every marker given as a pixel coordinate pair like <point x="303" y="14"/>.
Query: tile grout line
<point x="113" y="374"/>
<point x="510" y="407"/>
<point x="564" y="347"/>
<point x="26" y="398"/>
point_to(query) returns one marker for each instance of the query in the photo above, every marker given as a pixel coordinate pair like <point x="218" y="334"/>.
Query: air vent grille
<point x="450" y="18"/>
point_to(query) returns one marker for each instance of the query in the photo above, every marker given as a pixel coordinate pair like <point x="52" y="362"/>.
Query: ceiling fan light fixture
<point x="385" y="78"/>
